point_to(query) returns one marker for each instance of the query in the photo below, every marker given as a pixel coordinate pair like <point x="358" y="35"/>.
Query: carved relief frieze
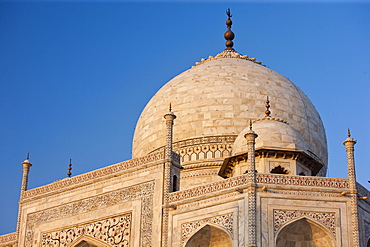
<point x="284" y="217"/>
<point x="141" y="191"/>
<point x="114" y="231"/>
<point x="224" y="221"/>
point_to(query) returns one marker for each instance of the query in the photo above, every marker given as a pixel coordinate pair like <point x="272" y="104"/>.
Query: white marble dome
<point x="218" y="97"/>
<point x="272" y="134"/>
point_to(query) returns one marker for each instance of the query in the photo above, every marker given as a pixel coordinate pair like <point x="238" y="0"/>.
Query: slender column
<point x="169" y="117"/>
<point x="252" y="197"/>
<point x="26" y="169"/>
<point x="350" y="148"/>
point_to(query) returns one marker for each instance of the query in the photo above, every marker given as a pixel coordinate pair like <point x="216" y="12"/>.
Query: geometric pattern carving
<point x="224" y="221"/>
<point x="114" y="231"/>
<point x="283" y="217"/>
<point x="141" y="191"/>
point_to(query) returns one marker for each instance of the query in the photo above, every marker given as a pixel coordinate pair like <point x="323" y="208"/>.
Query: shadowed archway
<point x="209" y="236"/>
<point x="87" y="241"/>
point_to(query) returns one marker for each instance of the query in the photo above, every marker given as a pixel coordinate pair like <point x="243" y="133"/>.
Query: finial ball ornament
<point x="229" y="35"/>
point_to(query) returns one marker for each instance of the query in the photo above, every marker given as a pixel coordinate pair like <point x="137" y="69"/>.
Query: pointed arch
<point x="87" y="241"/>
<point x="210" y="235"/>
<point x="304" y="232"/>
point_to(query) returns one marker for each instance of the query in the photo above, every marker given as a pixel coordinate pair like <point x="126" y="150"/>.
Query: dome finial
<point x="28" y="156"/>
<point x="170" y="109"/>
<point x="267" y="107"/>
<point x="250" y="124"/>
<point x="229" y="35"/>
<point x="69" y="173"/>
<point x="349" y="132"/>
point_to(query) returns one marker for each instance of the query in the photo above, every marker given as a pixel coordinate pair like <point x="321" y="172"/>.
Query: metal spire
<point x="69" y="173"/>
<point x="229" y="35"/>
<point x="267" y="107"/>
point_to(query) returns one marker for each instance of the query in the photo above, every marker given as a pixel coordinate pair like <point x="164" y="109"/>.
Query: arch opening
<point x="174" y="183"/>
<point x="210" y="236"/>
<point x="87" y="241"/>
<point x="83" y="243"/>
<point x="279" y="170"/>
<point x="306" y="233"/>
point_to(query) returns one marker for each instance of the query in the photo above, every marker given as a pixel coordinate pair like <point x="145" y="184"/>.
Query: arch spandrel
<point x="304" y="232"/>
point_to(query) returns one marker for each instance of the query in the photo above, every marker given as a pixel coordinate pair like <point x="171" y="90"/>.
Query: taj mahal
<point x="228" y="153"/>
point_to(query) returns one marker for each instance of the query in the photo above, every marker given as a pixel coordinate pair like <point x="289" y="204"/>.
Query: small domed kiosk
<point x="279" y="149"/>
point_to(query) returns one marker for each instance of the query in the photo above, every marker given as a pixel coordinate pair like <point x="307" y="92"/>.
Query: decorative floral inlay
<point x="283" y="217"/>
<point x="225" y="221"/>
<point x="114" y="231"/>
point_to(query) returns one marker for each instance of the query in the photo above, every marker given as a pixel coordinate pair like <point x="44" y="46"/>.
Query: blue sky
<point x="75" y="76"/>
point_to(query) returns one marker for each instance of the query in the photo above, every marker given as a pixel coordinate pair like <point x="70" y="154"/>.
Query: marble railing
<point x="276" y="179"/>
<point x="8" y="239"/>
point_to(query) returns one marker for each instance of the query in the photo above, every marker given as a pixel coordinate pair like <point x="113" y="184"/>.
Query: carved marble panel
<point x="114" y="231"/>
<point x="141" y="191"/>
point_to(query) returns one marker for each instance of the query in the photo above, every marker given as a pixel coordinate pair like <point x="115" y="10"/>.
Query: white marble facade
<point x="150" y="201"/>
